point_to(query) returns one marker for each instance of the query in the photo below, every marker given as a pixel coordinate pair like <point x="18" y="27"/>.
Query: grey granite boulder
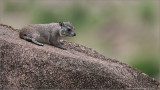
<point x="24" y="65"/>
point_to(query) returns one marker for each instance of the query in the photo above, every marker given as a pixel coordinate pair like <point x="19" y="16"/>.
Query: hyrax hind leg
<point x="32" y="39"/>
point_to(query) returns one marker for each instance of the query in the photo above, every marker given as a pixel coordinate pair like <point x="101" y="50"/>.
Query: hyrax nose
<point x="73" y="34"/>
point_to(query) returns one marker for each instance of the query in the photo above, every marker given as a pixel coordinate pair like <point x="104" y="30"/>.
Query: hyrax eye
<point x="69" y="29"/>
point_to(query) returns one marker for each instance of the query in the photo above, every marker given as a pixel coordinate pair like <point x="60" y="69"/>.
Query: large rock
<point x="24" y="65"/>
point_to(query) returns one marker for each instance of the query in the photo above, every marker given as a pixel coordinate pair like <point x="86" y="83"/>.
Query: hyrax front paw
<point x="61" y="43"/>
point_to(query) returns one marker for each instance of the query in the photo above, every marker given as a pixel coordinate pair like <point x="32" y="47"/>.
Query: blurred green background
<point x="119" y="29"/>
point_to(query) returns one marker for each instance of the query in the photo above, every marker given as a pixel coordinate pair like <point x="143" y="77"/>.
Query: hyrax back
<point x="47" y="33"/>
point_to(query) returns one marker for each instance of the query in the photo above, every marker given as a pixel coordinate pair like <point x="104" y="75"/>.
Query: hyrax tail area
<point x="30" y="36"/>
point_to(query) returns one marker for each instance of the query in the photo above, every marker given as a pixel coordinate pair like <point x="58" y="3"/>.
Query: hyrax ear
<point x="61" y="24"/>
<point x="69" y="22"/>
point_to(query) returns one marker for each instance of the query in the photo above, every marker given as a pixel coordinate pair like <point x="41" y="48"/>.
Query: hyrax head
<point x="67" y="29"/>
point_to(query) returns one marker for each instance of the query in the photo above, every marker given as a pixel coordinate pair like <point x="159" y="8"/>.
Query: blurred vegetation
<point x="147" y="12"/>
<point x="15" y="7"/>
<point x="121" y="30"/>
<point x="148" y="63"/>
<point x="42" y="15"/>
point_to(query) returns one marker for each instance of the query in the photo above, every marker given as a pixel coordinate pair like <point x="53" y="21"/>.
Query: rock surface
<point x="24" y="65"/>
